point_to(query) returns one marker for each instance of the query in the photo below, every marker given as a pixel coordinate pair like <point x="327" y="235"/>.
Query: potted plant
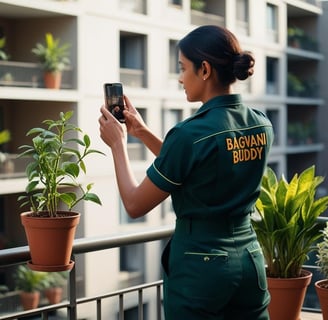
<point x="321" y="286"/>
<point x="287" y="227"/>
<point x="295" y="86"/>
<point x="29" y="283"/>
<point x="295" y="36"/>
<point x="54" y="286"/>
<point x="57" y="157"/>
<point x="197" y="5"/>
<point x="54" y="58"/>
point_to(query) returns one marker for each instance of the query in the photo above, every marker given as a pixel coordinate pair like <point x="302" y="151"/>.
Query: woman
<point x="211" y="165"/>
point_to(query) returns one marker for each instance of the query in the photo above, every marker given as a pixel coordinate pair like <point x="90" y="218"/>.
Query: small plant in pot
<point x="321" y="286"/>
<point x="54" y="286"/>
<point x="30" y="283"/>
<point x="287" y="228"/>
<point x="57" y="160"/>
<point x="54" y="58"/>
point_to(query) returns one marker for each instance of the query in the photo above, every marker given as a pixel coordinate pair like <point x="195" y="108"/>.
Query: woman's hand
<point x="133" y="120"/>
<point x="112" y="132"/>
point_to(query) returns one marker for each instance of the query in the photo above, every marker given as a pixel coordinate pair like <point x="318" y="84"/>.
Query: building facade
<point x="134" y="42"/>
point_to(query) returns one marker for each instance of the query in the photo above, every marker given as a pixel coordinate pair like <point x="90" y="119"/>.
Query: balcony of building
<point x="119" y="299"/>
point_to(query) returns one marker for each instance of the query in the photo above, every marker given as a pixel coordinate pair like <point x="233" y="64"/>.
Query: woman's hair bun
<point x="243" y="65"/>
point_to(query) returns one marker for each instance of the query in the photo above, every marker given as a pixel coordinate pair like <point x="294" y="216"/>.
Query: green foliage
<point x="56" y="279"/>
<point x="52" y="55"/>
<point x="287" y="226"/>
<point x="3" y="55"/>
<point x="322" y="255"/>
<point x="295" y="86"/>
<point x="198" y="5"/>
<point x="28" y="280"/>
<point x="57" y="160"/>
<point x="4" y="136"/>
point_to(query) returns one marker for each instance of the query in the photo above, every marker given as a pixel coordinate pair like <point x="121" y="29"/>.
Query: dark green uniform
<point x="212" y="164"/>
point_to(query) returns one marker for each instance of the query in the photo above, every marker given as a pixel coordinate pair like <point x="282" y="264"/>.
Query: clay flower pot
<point x="50" y="240"/>
<point x="52" y="80"/>
<point x="30" y="300"/>
<point x="321" y="288"/>
<point x="291" y="290"/>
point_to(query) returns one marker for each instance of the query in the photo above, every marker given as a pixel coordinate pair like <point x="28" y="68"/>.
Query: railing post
<point x="72" y="293"/>
<point x="159" y="302"/>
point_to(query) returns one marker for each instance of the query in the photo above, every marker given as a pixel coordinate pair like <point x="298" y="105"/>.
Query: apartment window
<point x="136" y="149"/>
<point x="272" y="75"/>
<point x="176" y="2"/>
<point x="132" y="264"/>
<point x="173" y="57"/>
<point x="133" y="57"/>
<point x="132" y="257"/>
<point x="274" y="116"/>
<point x="272" y="22"/>
<point x="242" y="15"/>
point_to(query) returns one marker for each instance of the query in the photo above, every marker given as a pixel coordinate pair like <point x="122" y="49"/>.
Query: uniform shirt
<point x="212" y="162"/>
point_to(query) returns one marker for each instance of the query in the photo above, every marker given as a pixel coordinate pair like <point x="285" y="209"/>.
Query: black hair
<point x="221" y="49"/>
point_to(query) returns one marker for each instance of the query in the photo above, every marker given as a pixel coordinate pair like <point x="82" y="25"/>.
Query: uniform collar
<point x="221" y="101"/>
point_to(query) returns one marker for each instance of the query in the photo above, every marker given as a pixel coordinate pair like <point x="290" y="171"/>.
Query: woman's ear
<point x="206" y="70"/>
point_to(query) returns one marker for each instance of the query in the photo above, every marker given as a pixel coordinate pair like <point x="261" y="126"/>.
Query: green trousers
<point x="214" y="270"/>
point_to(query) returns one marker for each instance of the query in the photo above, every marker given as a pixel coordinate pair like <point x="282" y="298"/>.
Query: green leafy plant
<point x="56" y="279"/>
<point x="295" y="86"/>
<point x="57" y="161"/>
<point x="4" y="136"/>
<point x="322" y="255"/>
<point x="3" y="55"/>
<point x="286" y="225"/>
<point x="198" y="5"/>
<point x="28" y="280"/>
<point x="53" y="56"/>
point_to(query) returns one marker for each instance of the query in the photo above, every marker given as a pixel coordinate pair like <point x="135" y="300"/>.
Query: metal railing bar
<point x="38" y="311"/>
<point x="121" y="307"/>
<point x="120" y="292"/>
<point x="140" y="305"/>
<point x="86" y="245"/>
<point x="98" y="309"/>
<point x="18" y="255"/>
<point x="159" y="302"/>
<point x="44" y="315"/>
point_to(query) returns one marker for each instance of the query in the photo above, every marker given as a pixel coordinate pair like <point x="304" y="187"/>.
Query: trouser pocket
<point x="257" y="258"/>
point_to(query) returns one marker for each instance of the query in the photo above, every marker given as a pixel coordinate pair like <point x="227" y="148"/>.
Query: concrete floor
<point x="311" y="316"/>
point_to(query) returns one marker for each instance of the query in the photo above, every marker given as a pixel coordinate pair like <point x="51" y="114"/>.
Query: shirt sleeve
<point x="172" y="166"/>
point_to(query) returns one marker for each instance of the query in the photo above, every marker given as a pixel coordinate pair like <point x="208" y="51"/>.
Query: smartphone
<point x="114" y="100"/>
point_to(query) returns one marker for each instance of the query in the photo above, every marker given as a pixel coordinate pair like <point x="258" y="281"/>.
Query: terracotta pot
<point x="50" y="240"/>
<point x="287" y="296"/>
<point x="30" y="300"/>
<point x="52" y="80"/>
<point x="54" y="295"/>
<point x="322" y="293"/>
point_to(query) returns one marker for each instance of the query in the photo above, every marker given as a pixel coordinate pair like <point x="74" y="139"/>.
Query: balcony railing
<point x="21" y="255"/>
